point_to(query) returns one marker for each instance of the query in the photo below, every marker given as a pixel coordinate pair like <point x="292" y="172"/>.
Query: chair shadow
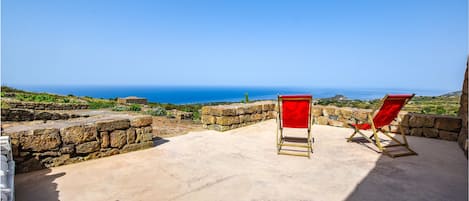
<point x="37" y="185"/>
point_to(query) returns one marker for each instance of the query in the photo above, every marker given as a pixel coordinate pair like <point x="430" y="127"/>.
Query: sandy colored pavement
<point x="242" y="164"/>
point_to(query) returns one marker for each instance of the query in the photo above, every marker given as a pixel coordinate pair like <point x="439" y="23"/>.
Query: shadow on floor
<point x="416" y="177"/>
<point x="39" y="183"/>
<point x="159" y="141"/>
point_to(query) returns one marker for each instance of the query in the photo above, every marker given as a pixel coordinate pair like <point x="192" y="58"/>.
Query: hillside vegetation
<point x="447" y="104"/>
<point x="443" y="105"/>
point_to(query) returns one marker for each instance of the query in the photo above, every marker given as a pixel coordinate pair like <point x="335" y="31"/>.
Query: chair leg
<point x="353" y="134"/>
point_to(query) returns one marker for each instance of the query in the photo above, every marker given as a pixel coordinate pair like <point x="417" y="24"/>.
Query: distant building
<point x="132" y="100"/>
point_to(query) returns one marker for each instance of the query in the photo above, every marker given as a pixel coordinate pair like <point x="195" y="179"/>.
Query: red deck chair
<point x="294" y="111"/>
<point x="388" y="111"/>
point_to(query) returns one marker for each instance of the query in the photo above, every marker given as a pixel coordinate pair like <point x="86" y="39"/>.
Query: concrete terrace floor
<point x="242" y="164"/>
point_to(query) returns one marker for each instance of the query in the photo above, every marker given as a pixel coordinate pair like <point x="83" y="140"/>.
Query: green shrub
<point x="97" y="104"/>
<point x="120" y="108"/>
<point x="135" y="107"/>
<point x="158" y="111"/>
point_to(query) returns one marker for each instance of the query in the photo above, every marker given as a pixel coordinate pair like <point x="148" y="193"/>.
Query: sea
<point x="207" y="94"/>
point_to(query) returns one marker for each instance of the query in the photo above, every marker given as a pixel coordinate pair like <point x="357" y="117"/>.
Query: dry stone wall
<point x="423" y="125"/>
<point x="41" y="147"/>
<point x="226" y="117"/>
<point x="462" y="139"/>
<point x="46" y="106"/>
<point x="30" y="115"/>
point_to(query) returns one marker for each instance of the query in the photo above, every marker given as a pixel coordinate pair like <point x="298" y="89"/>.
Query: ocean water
<point x="202" y="94"/>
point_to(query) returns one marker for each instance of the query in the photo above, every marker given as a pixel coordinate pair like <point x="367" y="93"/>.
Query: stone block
<point x="316" y="111"/>
<point x="118" y="138"/>
<point x="328" y="110"/>
<point x="78" y="134"/>
<point x="110" y="125"/>
<point x="67" y="149"/>
<point x="447" y="135"/>
<point x="322" y="120"/>
<point x="268" y="107"/>
<point x="448" y="123"/>
<point x="135" y="147"/>
<point x="104" y="139"/>
<point x="430" y="132"/>
<point x="131" y="135"/>
<point x="346" y="113"/>
<point x="227" y="120"/>
<point x="87" y="147"/>
<point x="41" y="140"/>
<point x="420" y="120"/>
<point x="141" y="121"/>
<point x="55" y="161"/>
<point x="208" y="119"/>
<point x="335" y="123"/>
<point x="416" y="131"/>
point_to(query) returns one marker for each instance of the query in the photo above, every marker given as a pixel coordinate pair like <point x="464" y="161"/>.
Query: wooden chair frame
<point x="377" y="141"/>
<point x="282" y="141"/>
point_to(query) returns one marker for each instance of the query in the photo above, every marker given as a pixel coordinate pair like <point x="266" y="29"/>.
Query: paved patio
<point x="242" y="164"/>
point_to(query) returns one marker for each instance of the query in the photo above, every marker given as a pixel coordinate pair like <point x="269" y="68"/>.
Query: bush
<point x="96" y="104"/>
<point x="158" y="111"/>
<point x="120" y="108"/>
<point x="135" y="107"/>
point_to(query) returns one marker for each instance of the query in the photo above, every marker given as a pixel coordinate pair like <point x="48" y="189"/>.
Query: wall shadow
<point x="37" y="185"/>
<point x="437" y="173"/>
<point x="159" y="141"/>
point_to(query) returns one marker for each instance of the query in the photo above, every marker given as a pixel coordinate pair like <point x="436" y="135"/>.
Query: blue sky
<point x="365" y="44"/>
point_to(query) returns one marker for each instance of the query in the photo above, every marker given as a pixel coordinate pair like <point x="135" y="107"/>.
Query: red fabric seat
<point x="364" y="126"/>
<point x="295" y="111"/>
<point x="388" y="111"/>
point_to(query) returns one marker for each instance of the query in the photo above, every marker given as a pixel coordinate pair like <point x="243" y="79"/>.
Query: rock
<point x="87" y="147"/>
<point x="335" y="123"/>
<point x="227" y="120"/>
<point x="219" y="127"/>
<point x="316" y="111"/>
<point x="41" y="140"/>
<point x="78" y="134"/>
<point x="346" y="112"/>
<point x="254" y="117"/>
<point x="134" y="147"/>
<point x="17" y="115"/>
<point x="110" y="125"/>
<point x="29" y="165"/>
<point x="141" y="121"/>
<point x="405" y="120"/>
<point x="446" y="135"/>
<point x="322" y="120"/>
<point x="104" y="139"/>
<point x="43" y="115"/>
<point x="430" y="132"/>
<point x="118" y="138"/>
<point x="55" y="161"/>
<point x="74" y="160"/>
<point x="244" y="118"/>
<point x="130" y="135"/>
<point x="143" y="137"/>
<point x="416" y="131"/>
<point x="268" y="107"/>
<point x="328" y="110"/>
<point x="147" y="129"/>
<point x="419" y="120"/>
<point x="448" y="123"/>
<point x="47" y="154"/>
<point x="67" y="149"/>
